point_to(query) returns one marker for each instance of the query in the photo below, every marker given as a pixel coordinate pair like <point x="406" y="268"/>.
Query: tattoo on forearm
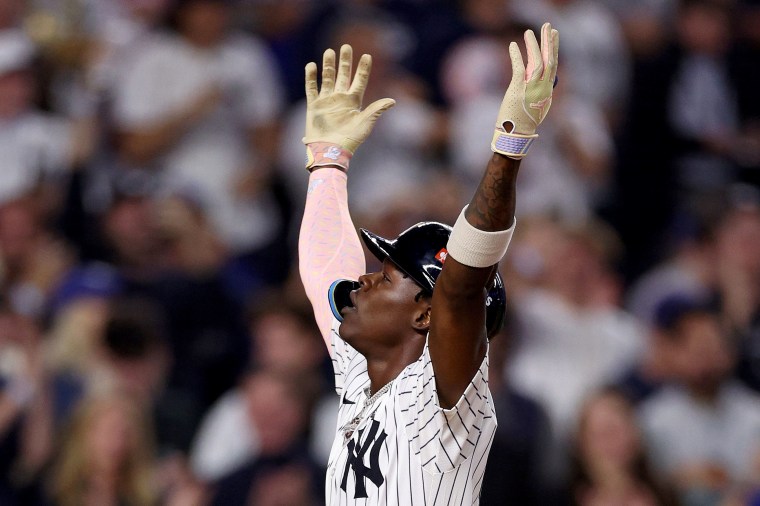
<point x="493" y="205"/>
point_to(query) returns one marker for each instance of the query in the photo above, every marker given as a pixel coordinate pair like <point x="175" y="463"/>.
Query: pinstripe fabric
<point x="407" y="450"/>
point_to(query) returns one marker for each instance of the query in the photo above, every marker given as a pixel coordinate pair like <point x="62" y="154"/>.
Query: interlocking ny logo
<point x="356" y="452"/>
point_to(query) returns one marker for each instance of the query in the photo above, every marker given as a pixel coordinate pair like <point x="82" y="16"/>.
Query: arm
<point x="457" y="338"/>
<point x="328" y="246"/>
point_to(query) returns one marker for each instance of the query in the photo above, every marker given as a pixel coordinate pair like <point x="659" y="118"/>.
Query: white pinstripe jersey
<point x="407" y="450"/>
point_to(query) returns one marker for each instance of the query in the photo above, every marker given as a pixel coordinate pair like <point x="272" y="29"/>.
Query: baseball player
<point x="409" y="343"/>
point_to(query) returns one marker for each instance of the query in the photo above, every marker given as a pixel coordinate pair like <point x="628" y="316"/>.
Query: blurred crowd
<point x="156" y="346"/>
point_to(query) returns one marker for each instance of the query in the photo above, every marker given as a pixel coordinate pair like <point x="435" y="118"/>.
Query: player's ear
<point x="422" y="317"/>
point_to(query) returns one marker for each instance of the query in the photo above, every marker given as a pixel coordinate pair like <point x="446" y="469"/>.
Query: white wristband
<point x="477" y="248"/>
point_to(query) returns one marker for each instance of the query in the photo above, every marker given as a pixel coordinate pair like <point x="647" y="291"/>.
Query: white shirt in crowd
<point x="212" y="156"/>
<point x="681" y="430"/>
<point x="595" y="62"/>
<point x="34" y="147"/>
<point x="225" y="440"/>
<point x="565" y="353"/>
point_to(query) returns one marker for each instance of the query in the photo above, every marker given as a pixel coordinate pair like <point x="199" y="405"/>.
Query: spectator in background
<point x="120" y="27"/>
<point x="166" y="253"/>
<point x="82" y="43"/>
<point x="572" y="335"/>
<point x="446" y="25"/>
<point x="491" y="24"/>
<point x="86" y="46"/>
<point x="284" y="340"/>
<point x="105" y="456"/>
<point x="687" y="268"/>
<point x="684" y="108"/>
<point x="738" y="283"/>
<point x="79" y="312"/>
<point x="290" y="28"/>
<point x="278" y="411"/>
<point x="702" y="432"/>
<point x="169" y="253"/>
<point x="26" y="415"/>
<point x="644" y="24"/>
<point x="702" y="107"/>
<point x="134" y="359"/>
<point x="654" y="369"/>
<point x="34" y="259"/>
<point x="595" y="59"/>
<point x="199" y="106"/>
<point x="610" y="465"/>
<point x="37" y="148"/>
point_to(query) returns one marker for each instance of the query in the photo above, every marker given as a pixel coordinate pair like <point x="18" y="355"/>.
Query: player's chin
<point x="349" y="327"/>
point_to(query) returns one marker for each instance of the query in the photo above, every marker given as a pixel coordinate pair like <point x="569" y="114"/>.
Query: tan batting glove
<point x="335" y="123"/>
<point x="529" y="95"/>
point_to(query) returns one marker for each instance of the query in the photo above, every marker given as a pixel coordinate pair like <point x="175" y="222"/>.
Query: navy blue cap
<point x="96" y="280"/>
<point x="673" y="308"/>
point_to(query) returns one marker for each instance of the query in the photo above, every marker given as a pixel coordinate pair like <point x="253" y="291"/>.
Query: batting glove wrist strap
<point x="477" y="248"/>
<point x="326" y="154"/>
<point x="512" y="145"/>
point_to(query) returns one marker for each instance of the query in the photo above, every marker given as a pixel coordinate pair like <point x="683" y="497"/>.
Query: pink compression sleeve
<point x="328" y="245"/>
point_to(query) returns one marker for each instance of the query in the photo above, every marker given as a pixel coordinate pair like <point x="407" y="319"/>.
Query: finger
<point x="344" y="68"/>
<point x="311" y="82"/>
<point x="518" y="67"/>
<point x="546" y="49"/>
<point x="376" y="108"/>
<point x="328" y="73"/>
<point x="535" y="65"/>
<point x="555" y="56"/>
<point x="362" y="77"/>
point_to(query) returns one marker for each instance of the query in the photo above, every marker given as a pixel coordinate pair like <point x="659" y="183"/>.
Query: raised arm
<point x="328" y="246"/>
<point x="481" y="235"/>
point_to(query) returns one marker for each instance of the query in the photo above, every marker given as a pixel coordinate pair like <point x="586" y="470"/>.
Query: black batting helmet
<point x="420" y="252"/>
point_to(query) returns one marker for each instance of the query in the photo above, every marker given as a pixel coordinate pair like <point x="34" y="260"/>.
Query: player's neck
<point x="383" y="370"/>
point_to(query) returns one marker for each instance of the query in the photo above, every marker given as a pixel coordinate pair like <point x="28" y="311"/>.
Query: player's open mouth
<point x="350" y="303"/>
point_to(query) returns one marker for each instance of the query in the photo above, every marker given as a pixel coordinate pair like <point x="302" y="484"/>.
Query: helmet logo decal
<point x="442" y="255"/>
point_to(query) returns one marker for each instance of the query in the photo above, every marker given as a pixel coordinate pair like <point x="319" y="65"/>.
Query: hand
<point x="333" y="114"/>
<point x="529" y="95"/>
